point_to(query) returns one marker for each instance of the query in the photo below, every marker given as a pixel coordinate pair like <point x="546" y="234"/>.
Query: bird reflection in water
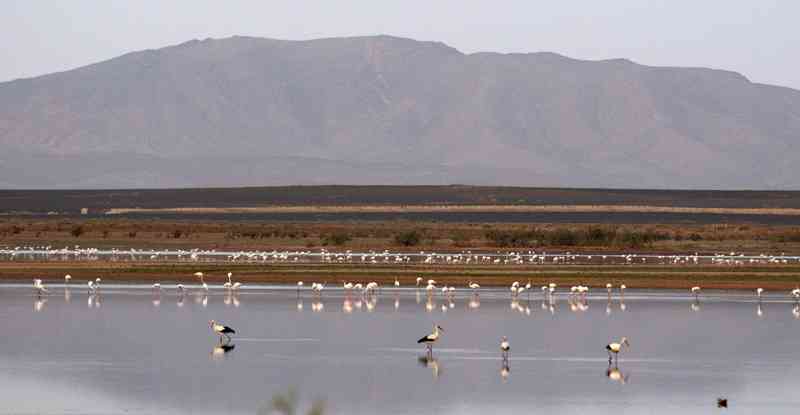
<point x="695" y="305"/>
<point x="796" y="311"/>
<point x="94" y="301"/>
<point x="67" y="295"/>
<point x="371" y="303"/>
<point x="317" y="306"/>
<point x="431" y="363"/>
<point x="505" y="370"/>
<point x="39" y="303"/>
<point x="430" y="305"/>
<point x="347" y="306"/>
<point x="299" y="305"/>
<point x="157" y="301"/>
<point x="578" y="304"/>
<point x="474" y="302"/>
<point x="419" y="297"/>
<point x="219" y="351"/>
<point x="615" y="374"/>
<point x="549" y="306"/>
<point x="180" y="300"/>
<point x="397" y="302"/>
<point x="201" y="299"/>
<point x="759" y="310"/>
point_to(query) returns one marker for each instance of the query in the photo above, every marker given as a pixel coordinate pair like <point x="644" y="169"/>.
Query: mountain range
<point x="246" y="111"/>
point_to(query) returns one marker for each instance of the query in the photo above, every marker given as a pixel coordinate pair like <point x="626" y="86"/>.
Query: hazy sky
<point x="759" y="38"/>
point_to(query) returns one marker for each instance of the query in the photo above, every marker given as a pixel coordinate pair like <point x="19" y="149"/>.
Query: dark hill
<point x="385" y="110"/>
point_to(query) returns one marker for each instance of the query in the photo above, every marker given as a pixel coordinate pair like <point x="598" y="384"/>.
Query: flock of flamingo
<point x="577" y="297"/>
<point x="383" y="257"/>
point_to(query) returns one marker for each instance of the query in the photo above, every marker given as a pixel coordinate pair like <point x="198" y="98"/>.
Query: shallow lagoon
<point x="128" y="351"/>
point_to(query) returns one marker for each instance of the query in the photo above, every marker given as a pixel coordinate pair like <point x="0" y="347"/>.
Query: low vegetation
<point x="121" y="232"/>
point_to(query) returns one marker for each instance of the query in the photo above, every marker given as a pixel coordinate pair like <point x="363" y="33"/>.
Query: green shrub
<point x="409" y="238"/>
<point x="77" y="231"/>
<point x="336" y="238"/>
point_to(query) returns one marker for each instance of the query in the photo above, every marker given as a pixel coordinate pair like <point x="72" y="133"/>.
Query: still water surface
<point x="131" y="352"/>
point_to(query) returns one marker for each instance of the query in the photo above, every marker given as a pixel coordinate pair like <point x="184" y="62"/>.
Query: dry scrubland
<point x="407" y="236"/>
<point x="395" y="235"/>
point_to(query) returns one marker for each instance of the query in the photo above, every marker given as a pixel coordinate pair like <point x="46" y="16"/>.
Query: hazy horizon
<point x="754" y="39"/>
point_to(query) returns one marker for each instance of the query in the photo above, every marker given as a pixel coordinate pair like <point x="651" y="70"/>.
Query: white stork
<point x="221" y="330"/>
<point x="615" y="348"/>
<point x="696" y="291"/>
<point x="39" y="287"/>
<point x="202" y="280"/>
<point x="430" y="339"/>
<point x="505" y="347"/>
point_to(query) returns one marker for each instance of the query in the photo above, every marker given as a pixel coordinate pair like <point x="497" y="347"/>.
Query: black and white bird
<point x="615" y="348"/>
<point x="505" y="347"/>
<point x="430" y="339"/>
<point x="39" y="287"/>
<point x="221" y="330"/>
<point x="696" y="291"/>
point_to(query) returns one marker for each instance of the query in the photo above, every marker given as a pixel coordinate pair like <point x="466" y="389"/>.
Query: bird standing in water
<point x="221" y="330"/>
<point x="505" y="347"/>
<point x="615" y="348"/>
<point x="430" y="339"/>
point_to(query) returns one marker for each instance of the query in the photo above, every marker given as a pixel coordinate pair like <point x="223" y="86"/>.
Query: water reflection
<point x="299" y="305"/>
<point x="614" y="373"/>
<point x="430" y="362"/>
<point x="278" y="353"/>
<point x="67" y="295"/>
<point x="94" y="301"/>
<point x="474" y="302"/>
<point x="39" y="303"/>
<point x="695" y="306"/>
<point x="505" y="370"/>
<point x="317" y="306"/>
<point x="219" y="351"/>
<point x="371" y="302"/>
<point x="430" y="305"/>
<point x="759" y="310"/>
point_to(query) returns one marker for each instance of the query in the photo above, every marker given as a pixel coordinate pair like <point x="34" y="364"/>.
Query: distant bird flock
<point x="386" y="257"/>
